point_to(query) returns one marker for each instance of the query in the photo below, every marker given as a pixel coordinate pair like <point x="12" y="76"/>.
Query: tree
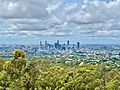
<point x="14" y="67"/>
<point x="19" y="54"/>
<point x="4" y="80"/>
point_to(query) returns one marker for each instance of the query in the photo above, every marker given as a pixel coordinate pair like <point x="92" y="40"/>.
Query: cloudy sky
<point x="87" y="21"/>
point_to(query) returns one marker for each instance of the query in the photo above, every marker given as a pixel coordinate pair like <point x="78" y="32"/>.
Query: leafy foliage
<point x="19" y="54"/>
<point x="46" y="75"/>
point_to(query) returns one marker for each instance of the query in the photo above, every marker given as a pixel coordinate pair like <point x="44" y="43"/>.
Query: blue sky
<point x="87" y="21"/>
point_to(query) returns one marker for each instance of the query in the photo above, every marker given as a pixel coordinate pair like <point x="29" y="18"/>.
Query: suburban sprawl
<point x="69" y="54"/>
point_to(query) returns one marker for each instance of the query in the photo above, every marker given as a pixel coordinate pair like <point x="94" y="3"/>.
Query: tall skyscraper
<point x="40" y="46"/>
<point x="57" y="45"/>
<point x="46" y="44"/>
<point x="40" y="43"/>
<point x="78" y="45"/>
<point x="68" y="42"/>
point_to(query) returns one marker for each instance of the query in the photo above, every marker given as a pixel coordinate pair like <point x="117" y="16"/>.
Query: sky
<point x="86" y="21"/>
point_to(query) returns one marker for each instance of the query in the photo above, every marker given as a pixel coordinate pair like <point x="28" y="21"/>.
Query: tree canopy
<point x="46" y="75"/>
<point x="19" y="54"/>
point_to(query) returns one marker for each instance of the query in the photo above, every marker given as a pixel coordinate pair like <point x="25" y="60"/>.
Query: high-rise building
<point x="58" y="45"/>
<point x="57" y="41"/>
<point x="40" y="46"/>
<point x="55" y="45"/>
<point x="78" y="45"/>
<point x="40" y="43"/>
<point x="46" y="44"/>
<point x="73" y="47"/>
<point x="68" y="42"/>
<point x="63" y="47"/>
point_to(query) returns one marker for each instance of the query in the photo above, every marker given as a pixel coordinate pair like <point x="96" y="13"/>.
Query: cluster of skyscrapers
<point x="59" y="46"/>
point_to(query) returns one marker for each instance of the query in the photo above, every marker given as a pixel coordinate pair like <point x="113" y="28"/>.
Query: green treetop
<point x="19" y="54"/>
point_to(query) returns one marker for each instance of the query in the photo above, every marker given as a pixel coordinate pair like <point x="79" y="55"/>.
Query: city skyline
<point x="87" y="21"/>
<point x="58" y="42"/>
<point x="31" y="40"/>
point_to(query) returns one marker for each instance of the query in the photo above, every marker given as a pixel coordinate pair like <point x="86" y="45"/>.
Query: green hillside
<point x="18" y="73"/>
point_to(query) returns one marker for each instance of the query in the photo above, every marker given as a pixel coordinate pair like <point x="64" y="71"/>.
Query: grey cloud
<point x="55" y="18"/>
<point x="23" y="9"/>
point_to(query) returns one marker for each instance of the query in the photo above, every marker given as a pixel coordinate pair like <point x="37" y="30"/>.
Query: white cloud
<point x="54" y="5"/>
<point x="23" y="8"/>
<point x="85" y="18"/>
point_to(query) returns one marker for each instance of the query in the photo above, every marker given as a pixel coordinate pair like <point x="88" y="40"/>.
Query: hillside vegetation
<point x="18" y="73"/>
